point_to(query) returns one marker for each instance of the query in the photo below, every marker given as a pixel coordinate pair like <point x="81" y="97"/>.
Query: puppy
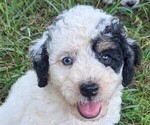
<point x="81" y="64"/>
<point x="127" y="3"/>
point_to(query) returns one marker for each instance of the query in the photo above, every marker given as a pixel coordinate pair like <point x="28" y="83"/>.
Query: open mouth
<point x="90" y="109"/>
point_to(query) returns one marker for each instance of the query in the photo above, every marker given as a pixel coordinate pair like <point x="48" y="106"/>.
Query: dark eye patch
<point x="108" y="51"/>
<point x="111" y="57"/>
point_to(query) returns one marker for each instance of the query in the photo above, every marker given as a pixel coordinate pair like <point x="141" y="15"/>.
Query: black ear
<point x="41" y="67"/>
<point x="132" y="57"/>
<point x="137" y="54"/>
<point x="40" y="58"/>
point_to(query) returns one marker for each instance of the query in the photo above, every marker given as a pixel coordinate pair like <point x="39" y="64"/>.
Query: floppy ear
<point x="40" y="58"/>
<point x="132" y="57"/>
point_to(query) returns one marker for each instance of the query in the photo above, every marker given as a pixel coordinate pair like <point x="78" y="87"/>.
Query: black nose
<point x="130" y="3"/>
<point x="89" y="89"/>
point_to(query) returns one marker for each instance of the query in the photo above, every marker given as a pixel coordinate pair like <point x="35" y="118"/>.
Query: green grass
<point x="23" y="21"/>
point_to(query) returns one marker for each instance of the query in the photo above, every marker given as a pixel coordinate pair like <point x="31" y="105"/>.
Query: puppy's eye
<point x="67" y="61"/>
<point x="106" y="59"/>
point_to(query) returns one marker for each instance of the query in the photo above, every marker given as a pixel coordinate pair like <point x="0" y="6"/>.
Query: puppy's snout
<point x="89" y="89"/>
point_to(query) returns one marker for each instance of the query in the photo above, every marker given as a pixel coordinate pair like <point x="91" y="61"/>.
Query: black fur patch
<point x="42" y="67"/>
<point x="130" y="55"/>
<point x="115" y="54"/>
<point x="137" y="54"/>
<point x="128" y="69"/>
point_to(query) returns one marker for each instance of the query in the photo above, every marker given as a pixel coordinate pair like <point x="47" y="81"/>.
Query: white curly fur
<point x="55" y="104"/>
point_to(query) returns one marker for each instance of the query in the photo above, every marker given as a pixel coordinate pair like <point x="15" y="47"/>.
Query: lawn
<point x="23" y="21"/>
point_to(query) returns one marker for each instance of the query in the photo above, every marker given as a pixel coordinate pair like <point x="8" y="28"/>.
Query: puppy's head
<point x="86" y="56"/>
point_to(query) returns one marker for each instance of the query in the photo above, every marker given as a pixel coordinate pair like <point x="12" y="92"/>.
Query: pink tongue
<point x="89" y="109"/>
